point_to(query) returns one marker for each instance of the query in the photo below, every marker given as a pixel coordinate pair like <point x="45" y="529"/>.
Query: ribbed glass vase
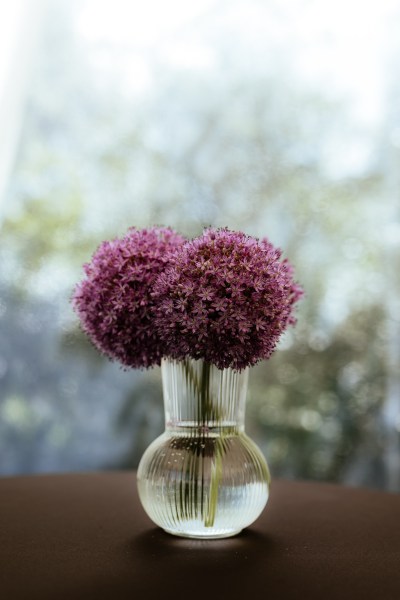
<point x="203" y="477"/>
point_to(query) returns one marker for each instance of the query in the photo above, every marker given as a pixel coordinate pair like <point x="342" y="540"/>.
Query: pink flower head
<point x="226" y="299"/>
<point x="114" y="301"/>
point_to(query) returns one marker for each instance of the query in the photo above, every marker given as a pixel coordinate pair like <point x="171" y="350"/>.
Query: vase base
<point x="204" y="535"/>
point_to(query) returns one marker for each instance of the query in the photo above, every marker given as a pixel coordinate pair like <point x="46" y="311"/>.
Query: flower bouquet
<point x="206" y="309"/>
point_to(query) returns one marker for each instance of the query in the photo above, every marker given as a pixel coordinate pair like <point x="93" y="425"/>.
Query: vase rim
<point x="169" y="360"/>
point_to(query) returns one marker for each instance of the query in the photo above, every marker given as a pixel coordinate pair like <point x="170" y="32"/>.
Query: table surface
<point x="86" y="536"/>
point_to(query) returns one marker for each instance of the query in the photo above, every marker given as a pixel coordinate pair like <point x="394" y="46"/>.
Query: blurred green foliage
<point x="228" y="148"/>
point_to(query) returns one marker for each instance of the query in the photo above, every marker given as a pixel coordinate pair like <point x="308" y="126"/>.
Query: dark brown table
<point x="85" y="536"/>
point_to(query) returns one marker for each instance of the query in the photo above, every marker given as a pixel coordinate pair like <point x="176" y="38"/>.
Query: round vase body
<point x="203" y="477"/>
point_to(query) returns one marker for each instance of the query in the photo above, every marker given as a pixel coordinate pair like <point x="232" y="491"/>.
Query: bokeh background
<point x="277" y="117"/>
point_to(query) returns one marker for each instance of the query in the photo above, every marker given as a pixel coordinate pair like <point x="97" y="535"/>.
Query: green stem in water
<point x="216" y="474"/>
<point x="209" y="413"/>
<point x="206" y="412"/>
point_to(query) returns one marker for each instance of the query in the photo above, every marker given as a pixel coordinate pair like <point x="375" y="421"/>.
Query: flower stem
<point x="206" y="412"/>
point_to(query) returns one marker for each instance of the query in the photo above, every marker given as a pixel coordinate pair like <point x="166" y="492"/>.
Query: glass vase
<point x="203" y="477"/>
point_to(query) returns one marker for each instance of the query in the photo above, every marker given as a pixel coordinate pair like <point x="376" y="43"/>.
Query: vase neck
<point x="199" y="395"/>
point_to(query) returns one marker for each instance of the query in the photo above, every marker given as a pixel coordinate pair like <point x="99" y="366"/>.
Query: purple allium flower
<point x="114" y="301"/>
<point x="226" y="299"/>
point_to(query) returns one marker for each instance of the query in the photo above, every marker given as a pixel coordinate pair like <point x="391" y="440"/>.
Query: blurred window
<point x="279" y="118"/>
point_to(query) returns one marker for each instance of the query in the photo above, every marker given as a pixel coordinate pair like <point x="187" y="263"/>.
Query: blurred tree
<point x="316" y="404"/>
<point x="230" y="147"/>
